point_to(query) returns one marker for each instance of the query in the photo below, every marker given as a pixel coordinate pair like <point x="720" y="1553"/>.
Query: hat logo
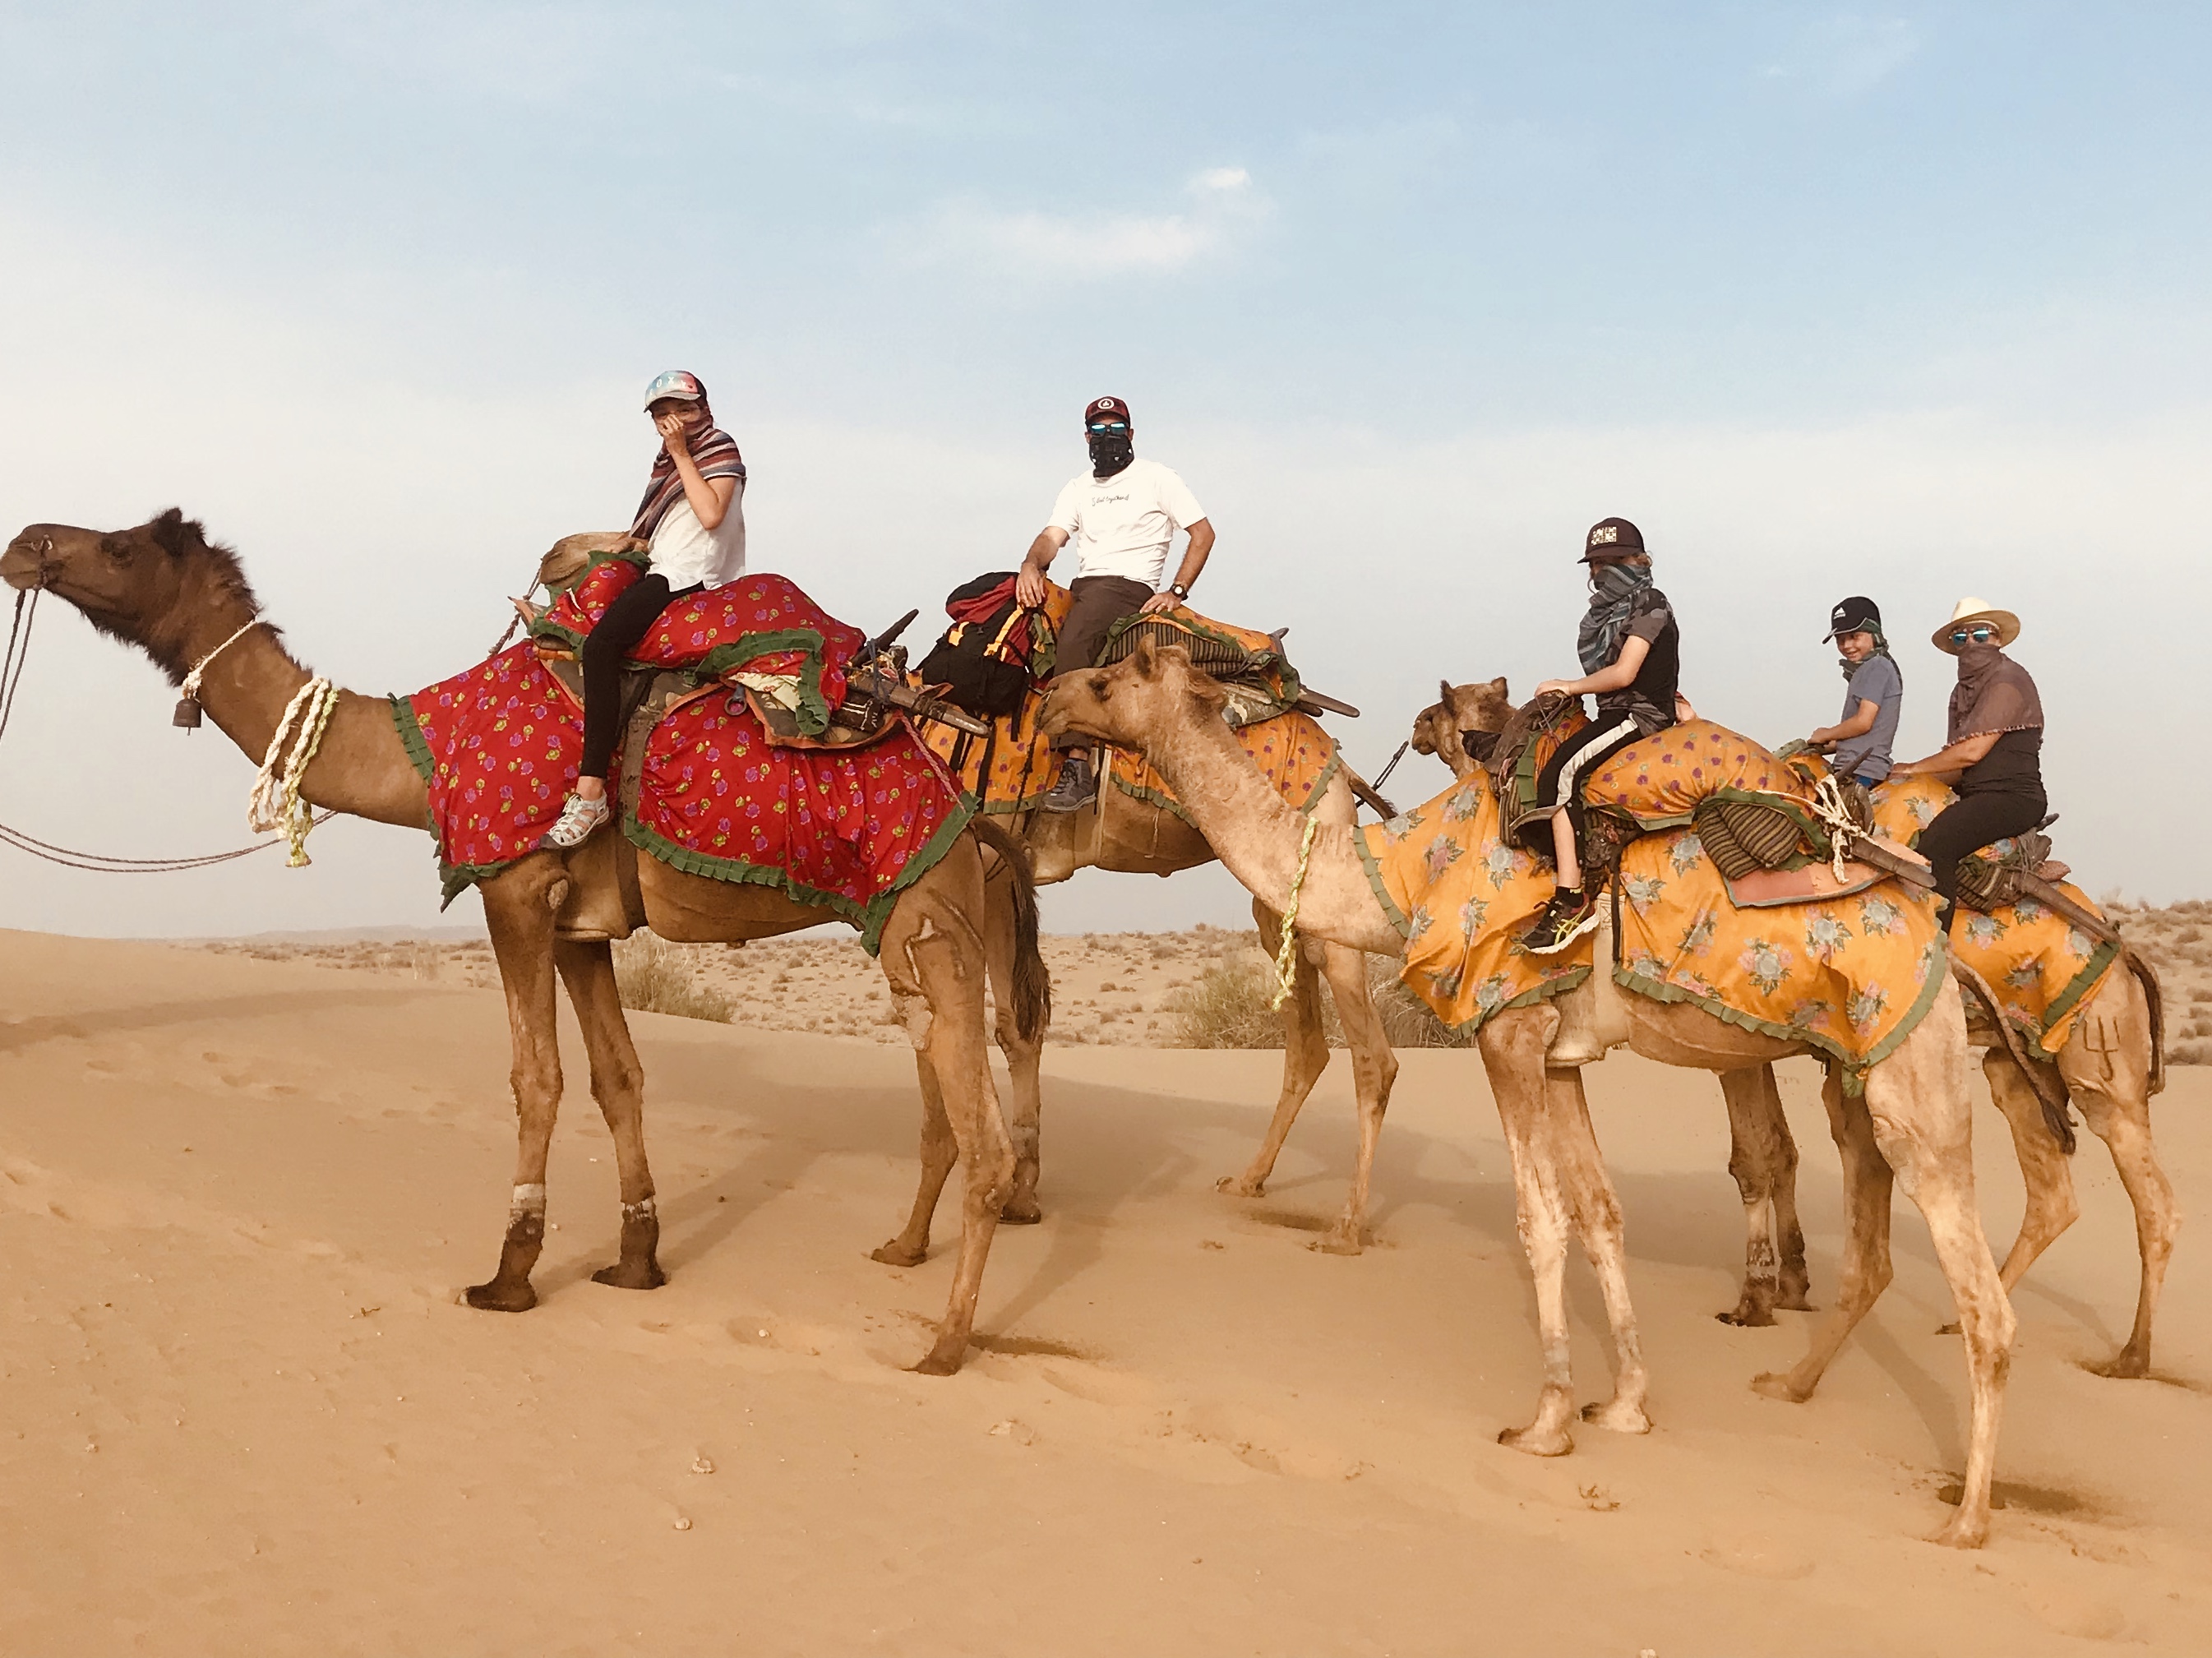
<point x="1604" y="534"/>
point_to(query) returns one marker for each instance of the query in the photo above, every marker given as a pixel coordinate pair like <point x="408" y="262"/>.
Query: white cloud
<point x="1224" y="203"/>
<point x="1848" y="54"/>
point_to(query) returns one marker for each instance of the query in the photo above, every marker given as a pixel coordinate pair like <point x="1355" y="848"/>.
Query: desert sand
<point x="242" y="1411"/>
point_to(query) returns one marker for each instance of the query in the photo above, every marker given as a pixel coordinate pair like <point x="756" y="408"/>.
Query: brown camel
<point x="1119" y="833"/>
<point x="162" y="587"/>
<point x="1911" y="1124"/>
<point x="2110" y="1065"/>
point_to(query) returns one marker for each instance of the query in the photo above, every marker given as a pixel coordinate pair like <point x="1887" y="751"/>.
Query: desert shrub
<point x="654" y="976"/>
<point x="1229" y="1007"/>
<point x="2189" y="1054"/>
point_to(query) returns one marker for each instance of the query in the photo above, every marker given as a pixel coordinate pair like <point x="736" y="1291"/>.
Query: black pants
<point x="1967" y="825"/>
<point x="628" y="620"/>
<point x="1560" y="782"/>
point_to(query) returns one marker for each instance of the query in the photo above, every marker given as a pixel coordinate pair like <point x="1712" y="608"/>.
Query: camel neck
<point x="361" y="767"/>
<point x="1257" y="835"/>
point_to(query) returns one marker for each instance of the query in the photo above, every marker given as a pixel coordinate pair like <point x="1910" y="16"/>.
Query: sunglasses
<point x="1110" y="426"/>
<point x="1975" y="636"/>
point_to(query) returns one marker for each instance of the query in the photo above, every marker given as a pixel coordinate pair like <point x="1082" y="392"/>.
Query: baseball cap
<point x="674" y="384"/>
<point x="1107" y="409"/>
<point x="1854" y="615"/>
<point x="1611" y="538"/>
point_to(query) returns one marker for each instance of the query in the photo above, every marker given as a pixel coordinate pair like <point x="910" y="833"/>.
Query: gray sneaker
<point x="1075" y="788"/>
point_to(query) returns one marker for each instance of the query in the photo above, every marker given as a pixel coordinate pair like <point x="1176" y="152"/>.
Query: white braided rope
<point x="1842" y="828"/>
<point x="191" y="686"/>
<point x="275" y="803"/>
<point x="1286" y="958"/>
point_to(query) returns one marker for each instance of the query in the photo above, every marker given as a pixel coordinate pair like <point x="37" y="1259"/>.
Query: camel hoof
<point x="1951" y="1329"/>
<point x="1964" y="1531"/>
<point x="938" y="1361"/>
<point x="2126" y="1365"/>
<point x="1796" y="1295"/>
<point x="1020" y="1211"/>
<point x="895" y="1254"/>
<point x="1241" y="1186"/>
<point x="1338" y="1241"/>
<point x="644" y="1274"/>
<point x="1530" y="1442"/>
<point x="1748" y="1316"/>
<point x="1775" y="1384"/>
<point x="1616" y="1416"/>
<point x="498" y="1297"/>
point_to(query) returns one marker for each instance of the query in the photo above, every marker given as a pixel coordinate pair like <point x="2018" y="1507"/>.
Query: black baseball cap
<point x="1611" y="538"/>
<point x="1853" y="615"/>
<point x="1108" y="408"/>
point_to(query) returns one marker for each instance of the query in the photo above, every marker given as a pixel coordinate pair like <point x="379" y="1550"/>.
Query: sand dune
<point x="241" y="1411"/>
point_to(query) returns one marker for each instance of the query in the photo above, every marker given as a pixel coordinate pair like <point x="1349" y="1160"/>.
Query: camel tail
<point x="1030" y="994"/>
<point x="2147" y="976"/>
<point x="2043" y="1078"/>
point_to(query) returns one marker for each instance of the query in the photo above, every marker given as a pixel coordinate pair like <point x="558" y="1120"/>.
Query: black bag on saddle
<point x="983" y="662"/>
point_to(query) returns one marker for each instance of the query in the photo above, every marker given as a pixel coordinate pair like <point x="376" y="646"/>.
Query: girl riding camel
<point x="692" y="525"/>
<point x="1993" y="752"/>
<point x="1632" y="658"/>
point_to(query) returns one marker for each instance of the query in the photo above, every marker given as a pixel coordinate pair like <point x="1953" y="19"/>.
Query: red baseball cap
<point x="1108" y="408"/>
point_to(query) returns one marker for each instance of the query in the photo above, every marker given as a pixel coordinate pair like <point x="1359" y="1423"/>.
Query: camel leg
<point x="1513" y="1047"/>
<point x="1305" y="1056"/>
<point x="1924" y="1123"/>
<point x="2114" y="1092"/>
<point x="1596" y="1208"/>
<point x="2044" y="1169"/>
<point x="1025" y="1063"/>
<point x="618" y="1085"/>
<point x="520" y="905"/>
<point x="933" y="955"/>
<point x="1763" y="1158"/>
<point x="940" y="1151"/>
<point x="1866" y="1267"/>
<point x="1374" y="1069"/>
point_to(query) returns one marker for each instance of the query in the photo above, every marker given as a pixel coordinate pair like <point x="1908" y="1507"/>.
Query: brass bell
<point x="187" y="716"/>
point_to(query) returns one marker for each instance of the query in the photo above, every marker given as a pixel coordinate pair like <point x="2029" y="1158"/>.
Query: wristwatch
<point x="1178" y="590"/>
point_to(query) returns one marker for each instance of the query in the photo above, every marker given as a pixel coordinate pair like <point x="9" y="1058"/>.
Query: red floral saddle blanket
<point x="846" y="829"/>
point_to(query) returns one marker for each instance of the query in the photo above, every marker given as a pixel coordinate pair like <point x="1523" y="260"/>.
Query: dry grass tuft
<point x="654" y="976"/>
<point x="1229" y="1007"/>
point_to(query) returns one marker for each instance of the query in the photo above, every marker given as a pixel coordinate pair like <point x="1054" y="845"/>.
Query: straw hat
<point x="1978" y="609"/>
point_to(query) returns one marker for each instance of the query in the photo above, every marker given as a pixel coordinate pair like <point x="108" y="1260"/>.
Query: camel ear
<point x="1499" y="685"/>
<point x="1145" y="657"/>
<point x="1445" y="692"/>
<point x="175" y="534"/>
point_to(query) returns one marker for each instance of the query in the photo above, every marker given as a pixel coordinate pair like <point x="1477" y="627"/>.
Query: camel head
<point x="153" y="586"/>
<point x="1453" y="727"/>
<point x="1149" y="693"/>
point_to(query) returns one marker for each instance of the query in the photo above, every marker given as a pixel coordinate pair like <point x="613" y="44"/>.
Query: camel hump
<point x="572" y="557"/>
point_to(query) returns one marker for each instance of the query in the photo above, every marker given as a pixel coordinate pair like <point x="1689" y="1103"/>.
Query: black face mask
<point x="1110" y="451"/>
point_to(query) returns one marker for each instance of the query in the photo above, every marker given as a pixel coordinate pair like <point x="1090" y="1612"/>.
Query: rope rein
<point x="11" y="665"/>
<point x="275" y="803"/>
<point x="1286" y="957"/>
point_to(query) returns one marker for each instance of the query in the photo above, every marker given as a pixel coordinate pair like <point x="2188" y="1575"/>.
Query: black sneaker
<point x="1075" y="788"/>
<point x="1565" y="918"/>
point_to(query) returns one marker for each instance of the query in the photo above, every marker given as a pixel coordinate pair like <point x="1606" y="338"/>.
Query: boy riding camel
<point x="1859" y="743"/>
<point x="1630" y="652"/>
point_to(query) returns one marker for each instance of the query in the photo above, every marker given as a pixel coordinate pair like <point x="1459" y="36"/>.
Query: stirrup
<point x="580" y="818"/>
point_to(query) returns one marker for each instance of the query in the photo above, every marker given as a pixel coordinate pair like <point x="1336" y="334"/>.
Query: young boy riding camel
<point x="1858" y="744"/>
<point x="691" y="524"/>
<point x="1630" y="653"/>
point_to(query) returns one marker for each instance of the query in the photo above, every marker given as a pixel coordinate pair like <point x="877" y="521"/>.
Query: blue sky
<point x="1906" y="301"/>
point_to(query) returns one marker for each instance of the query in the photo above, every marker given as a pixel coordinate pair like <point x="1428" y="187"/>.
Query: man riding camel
<point x="1992" y="753"/>
<point x="1122" y="515"/>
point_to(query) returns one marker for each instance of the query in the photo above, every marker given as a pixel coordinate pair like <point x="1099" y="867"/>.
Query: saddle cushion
<point x="844" y="828"/>
<point x="2042" y="968"/>
<point x="761" y="624"/>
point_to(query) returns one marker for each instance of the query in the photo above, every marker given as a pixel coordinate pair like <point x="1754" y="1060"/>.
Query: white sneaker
<point x="577" y="822"/>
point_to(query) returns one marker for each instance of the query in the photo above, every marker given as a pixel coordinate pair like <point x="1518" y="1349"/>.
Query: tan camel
<point x="1120" y="834"/>
<point x="1912" y="1123"/>
<point x="165" y="588"/>
<point x="2110" y="1065"/>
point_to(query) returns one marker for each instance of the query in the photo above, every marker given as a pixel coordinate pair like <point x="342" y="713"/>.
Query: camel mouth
<point x="22" y="567"/>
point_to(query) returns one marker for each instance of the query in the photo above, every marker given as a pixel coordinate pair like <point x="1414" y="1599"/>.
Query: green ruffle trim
<point x="869" y="917"/>
<point x="1543" y="993"/>
<point x="412" y="737"/>
<point x="1853" y="1067"/>
<point x="2091" y="975"/>
<point x="1374" y="868"/>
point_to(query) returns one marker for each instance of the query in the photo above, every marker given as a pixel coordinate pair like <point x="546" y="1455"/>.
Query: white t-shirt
<point x="687" y="553"/>
<point x="1121" y="525"/>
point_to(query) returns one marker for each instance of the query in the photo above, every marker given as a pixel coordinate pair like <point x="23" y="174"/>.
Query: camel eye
<point x="116" y="548"/>
<point x="1098" y="687"/>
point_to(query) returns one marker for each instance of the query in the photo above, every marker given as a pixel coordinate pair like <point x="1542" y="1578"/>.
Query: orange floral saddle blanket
<point x="844" y="829"/>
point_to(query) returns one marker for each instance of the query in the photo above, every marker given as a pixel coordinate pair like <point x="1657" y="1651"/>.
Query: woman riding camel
<point x="1993" y="753"/>
<point x="1630" y="653"/>
<point x="692" y="525"/>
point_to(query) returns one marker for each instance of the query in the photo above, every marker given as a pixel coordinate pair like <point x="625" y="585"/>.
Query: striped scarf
<point x="714" y="451"/>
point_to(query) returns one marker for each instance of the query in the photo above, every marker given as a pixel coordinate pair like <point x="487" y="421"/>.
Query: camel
<point x="164" y="587"/>
<point x="1126" y="835"/>
<point x="2110" y="1065"/>
<point x="1912" y="1123"/>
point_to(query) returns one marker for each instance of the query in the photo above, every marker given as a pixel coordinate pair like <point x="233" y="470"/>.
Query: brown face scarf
<point x="714" y="451"/>
<point x="1994" y="694"/>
